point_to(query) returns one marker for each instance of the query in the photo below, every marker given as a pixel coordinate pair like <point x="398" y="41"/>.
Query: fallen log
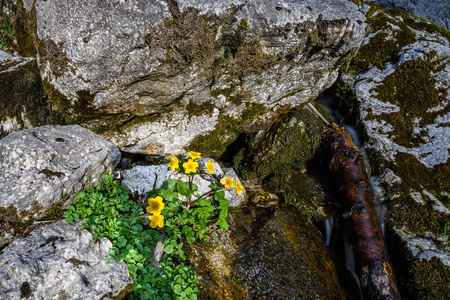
<point x="372" y="263"/>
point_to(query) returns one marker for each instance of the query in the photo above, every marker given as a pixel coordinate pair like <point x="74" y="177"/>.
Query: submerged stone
<point x="266" y="253"/>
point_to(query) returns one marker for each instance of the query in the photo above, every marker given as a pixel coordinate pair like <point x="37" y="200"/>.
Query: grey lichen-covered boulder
<point x="400" y="82"/>
<point x="437" y="10"/>
<point x="155" y="77"/>
<point x="22" y="97"/>
<point x="142" y="179"/>
<point x="61" y="261"/>
<point x="43" y="168"/>
<point x="266" y="253"/>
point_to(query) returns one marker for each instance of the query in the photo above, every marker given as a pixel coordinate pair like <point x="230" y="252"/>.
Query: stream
<point x="330" y="104"/>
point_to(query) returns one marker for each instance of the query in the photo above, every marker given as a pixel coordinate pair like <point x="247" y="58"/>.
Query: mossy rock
<point x="23" y="96"/>
<point x="280" y="156"/>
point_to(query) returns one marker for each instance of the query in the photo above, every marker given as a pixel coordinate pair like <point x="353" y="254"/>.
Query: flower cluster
<point x="190" y="168"/>
<point x="155" y="206"/>
<point x="229" y="183"/>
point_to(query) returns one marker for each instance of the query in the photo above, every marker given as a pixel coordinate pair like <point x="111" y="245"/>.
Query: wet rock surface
<point x="59" y="261"/>
<point x="267" y="253"/>
<point x="155" y="78"/>
<point x="43" y="168"/>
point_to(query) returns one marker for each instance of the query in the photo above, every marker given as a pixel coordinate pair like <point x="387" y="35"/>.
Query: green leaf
<point x="69" y="219"/>
<point x="168" y="248"/>
<point x="190" y="239"/>
<point x="215" y="186"/>
<point x="170" y="184"/>
<point x="184" y="189"/>
<point x="219" y="195"/>
<point x="177" y="289"/>
<point x="222" y="223"/>
<point x="152" y="194"/>
<point x="186" y="230"/>
<point x="81" y="195"/>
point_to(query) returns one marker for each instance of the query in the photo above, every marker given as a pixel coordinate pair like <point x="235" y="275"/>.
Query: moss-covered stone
<point x="279" y="158"/>
<point x="381" y="49"/>
<point x="430" y="279"/>
<point x="25" y="30"/>
<point x="228" y="129"/>
<point x="23" y="96"/>
<point x="412" y="79"/>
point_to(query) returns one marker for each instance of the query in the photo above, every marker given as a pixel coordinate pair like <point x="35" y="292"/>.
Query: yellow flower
<point x="155" y="205"/>
<point x="190" y="166"/>
<point x="210" y="167"/>
<point x="156" y="220"/>
<point x="195" y="155"/>
<point x="173" y="164"/>
<point x="239" y="187"/>
<point x="228" y="182"/>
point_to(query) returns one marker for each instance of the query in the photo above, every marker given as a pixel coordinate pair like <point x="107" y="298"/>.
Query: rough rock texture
<point x="437" y="10"/>
<point x="142" y="179"/>
<point x="266" y="253"/>
<point x="59" y="261"/>
<point x="400" y="82"/>
<point x="44" y="167"/>
<point x="280" y="158"/>
<point x="155" y="77"/>
<point x="22" y="97"/>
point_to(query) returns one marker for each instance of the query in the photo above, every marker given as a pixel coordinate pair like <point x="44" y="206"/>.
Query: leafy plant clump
<point x="107" y="211"/>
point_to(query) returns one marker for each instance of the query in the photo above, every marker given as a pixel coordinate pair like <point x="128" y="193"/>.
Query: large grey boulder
<point x="61" y="261"/>
<point x="44" y="167"/>
<point x="157" y="76"/>
<point x="437" y="10"/>
<point x="400" y="82"/>
<point x="22" y="97"/>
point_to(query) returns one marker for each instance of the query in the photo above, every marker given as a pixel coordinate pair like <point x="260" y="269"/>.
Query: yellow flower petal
<point x="228" y="182"/>
<point x="155" y="205"/>
<point x="156" y="220"/>
<point x="239" y="187"/>
<point x="210" y="167"/>
<point x="190" y="166"/>
<point x="173" y="164"/>
<point x="195" y="155"/>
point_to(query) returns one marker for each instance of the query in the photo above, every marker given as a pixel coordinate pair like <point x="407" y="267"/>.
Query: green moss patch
<point x="412" y="88"/>
<point x="431" y="279"/>
<point x="385" y="45"/>
<point x="403" y="210"/>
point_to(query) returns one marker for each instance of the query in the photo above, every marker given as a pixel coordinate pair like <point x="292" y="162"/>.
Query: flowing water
<point x="330" y="105"/>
